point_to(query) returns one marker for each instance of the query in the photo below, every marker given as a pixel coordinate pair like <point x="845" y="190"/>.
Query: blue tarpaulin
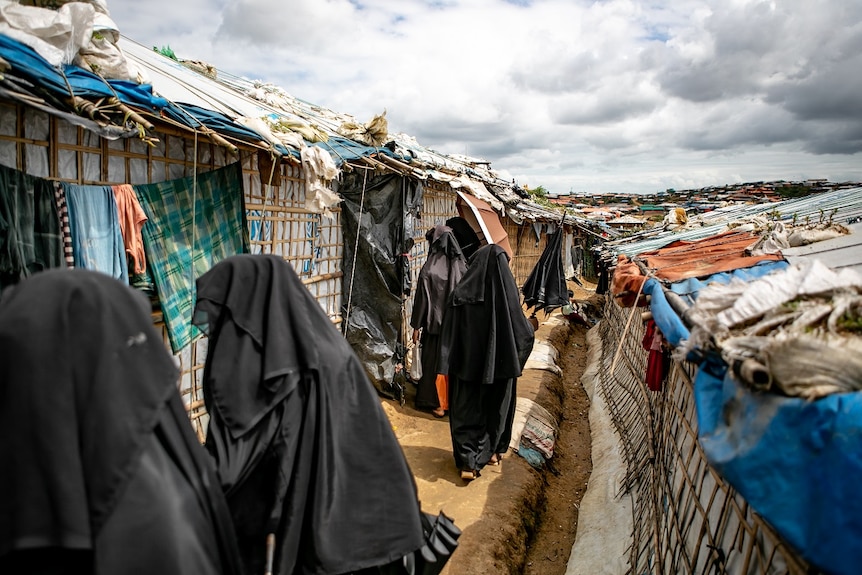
<point x="27" y="64"/>
<point x="688" y="288"/>
<point x="796" y="462"/>
<point x="57" y="85"/>
<point x="195" y="116"/>
<point x="666" y="319"/>
<point x="343" y="150"/>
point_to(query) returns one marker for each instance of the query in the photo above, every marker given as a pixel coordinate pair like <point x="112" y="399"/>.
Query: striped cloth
<point x="188" y="230"/>
<point x="65" y="229"/>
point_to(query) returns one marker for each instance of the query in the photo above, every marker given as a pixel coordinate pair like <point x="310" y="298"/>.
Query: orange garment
<point x="132" y="218"/>
<point x="443" y="391"/>
<point x="627" y="281"/>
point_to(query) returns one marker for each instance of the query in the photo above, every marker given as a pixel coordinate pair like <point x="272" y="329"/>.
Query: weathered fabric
<point x="131" y="218"/>
<point x="192" y="223"/>
<point x="97" y="243"/>
<point x="30" y="234"/>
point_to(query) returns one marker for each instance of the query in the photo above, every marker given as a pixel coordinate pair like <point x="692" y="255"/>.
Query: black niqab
<point x="484" y="345"/>
<point x="485" y="335"/>
<point x="300" y="438"/>
<point x="441" y="272"/>
<point x="100" y="466"/>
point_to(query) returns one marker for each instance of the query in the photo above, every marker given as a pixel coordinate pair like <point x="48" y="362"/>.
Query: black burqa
<point x="484" y="345"/>
<point x="101" y="471"/>
<point x="301" y="441"/>
<point x="441" y="272"/>
<point x="545" y="287"/>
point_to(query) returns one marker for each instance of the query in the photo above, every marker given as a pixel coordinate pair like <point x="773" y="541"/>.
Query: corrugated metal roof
<point x="838" y="253"/>
<point x="841" y="206"/>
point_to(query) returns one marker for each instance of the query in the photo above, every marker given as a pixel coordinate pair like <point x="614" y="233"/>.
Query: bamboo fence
<point x="686" y="518"/>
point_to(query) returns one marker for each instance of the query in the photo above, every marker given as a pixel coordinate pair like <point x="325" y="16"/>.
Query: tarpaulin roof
<point x="681" y="260"/>
<point x="719" y="253"/>
<point x="56" y="86"/>
<point x="59" y="84"/>
<point x="795" y="461"/>
<point x="846" y="203"/>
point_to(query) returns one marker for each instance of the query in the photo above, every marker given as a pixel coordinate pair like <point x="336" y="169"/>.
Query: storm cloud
<point x="616" y="95"/>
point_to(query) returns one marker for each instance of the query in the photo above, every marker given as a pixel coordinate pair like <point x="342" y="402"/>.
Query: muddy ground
<point x="515" y="519"/>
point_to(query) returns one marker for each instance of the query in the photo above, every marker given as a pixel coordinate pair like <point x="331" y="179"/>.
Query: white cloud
<point x="588" y="95"/>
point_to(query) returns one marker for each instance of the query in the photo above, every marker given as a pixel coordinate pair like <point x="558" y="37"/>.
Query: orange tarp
<point x="682" y="259"/>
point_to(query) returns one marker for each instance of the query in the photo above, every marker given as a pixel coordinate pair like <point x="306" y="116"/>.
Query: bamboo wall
<point x="49" y="147"/>
<point x="438" y="205"/>
<point x="687" y="519"/>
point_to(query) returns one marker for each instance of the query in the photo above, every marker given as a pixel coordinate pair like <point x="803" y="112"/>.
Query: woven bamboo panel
<point x="526" y="248"/>
<point x="687" y="519"/>
<point x="50" y="147"/>
<point x="438" y="205"/>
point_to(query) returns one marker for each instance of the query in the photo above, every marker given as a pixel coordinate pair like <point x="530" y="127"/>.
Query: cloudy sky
<point x="572" y="95"/>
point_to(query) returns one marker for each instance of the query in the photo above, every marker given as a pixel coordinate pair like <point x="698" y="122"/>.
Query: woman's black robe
<point x="100" y="470"/>
<point x="438" y="277"/>
<point x="302" y="444"/>
<point x="484" y="345"/>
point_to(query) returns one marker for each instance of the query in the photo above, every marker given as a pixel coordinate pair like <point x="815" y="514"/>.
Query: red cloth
<point x="658" y="360"/>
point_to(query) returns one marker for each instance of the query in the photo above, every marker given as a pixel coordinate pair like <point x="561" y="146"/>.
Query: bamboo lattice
<point x="687" y="519"/>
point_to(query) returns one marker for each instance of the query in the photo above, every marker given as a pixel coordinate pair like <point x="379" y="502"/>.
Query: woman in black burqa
<point x="484" y="345"/>
<point x="100" y="470"/>
<point x="441" y="272"/>
<point x="303" y="447"/>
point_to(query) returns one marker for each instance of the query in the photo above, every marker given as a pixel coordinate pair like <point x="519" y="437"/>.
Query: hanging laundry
<point x="97" y="243"/>
<point x="658" y="360"/>
<point x="65" y="229"/>
<point x="132" y="218"/>
<point x="30" y="234"/>
<point x="192" y="223"/>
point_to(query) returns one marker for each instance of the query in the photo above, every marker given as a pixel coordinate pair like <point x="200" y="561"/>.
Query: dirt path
<point x="548" y="552"/>
<point x="515" y="519"/>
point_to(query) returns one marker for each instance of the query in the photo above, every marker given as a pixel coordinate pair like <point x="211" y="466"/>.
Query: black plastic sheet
<point x="379" y="211"/>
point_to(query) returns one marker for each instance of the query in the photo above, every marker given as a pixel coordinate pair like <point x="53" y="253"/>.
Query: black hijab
<point x="485" y="335"/>
<point x="441" y="272"/>
<point x="300" y="438"/>
<point x="97" y="453"/>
